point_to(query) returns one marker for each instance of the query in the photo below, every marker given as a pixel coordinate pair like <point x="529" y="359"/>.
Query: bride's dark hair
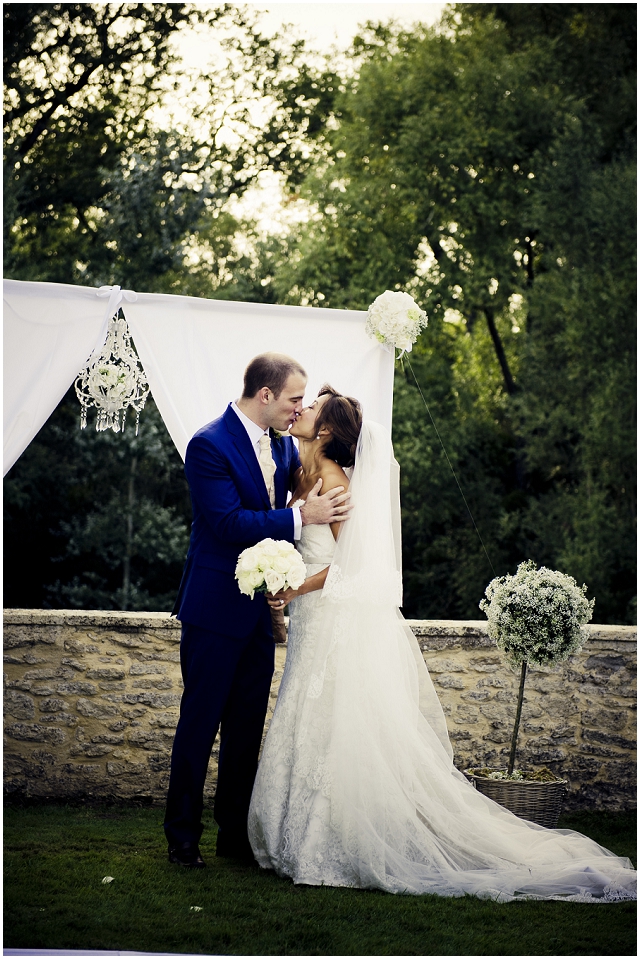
<point x="342" y="416"/>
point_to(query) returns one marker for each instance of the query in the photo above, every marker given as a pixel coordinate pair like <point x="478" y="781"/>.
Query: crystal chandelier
<point x="113" y="381"/>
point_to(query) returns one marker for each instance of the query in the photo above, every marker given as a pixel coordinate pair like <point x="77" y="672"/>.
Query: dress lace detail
<point x="356" y="786"/>
<point x="382" y="589"/>
<point x="290" y="816"/>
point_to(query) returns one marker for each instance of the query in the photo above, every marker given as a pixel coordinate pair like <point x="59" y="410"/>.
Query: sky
<point x="329" y="24"/>
<point x="325" y="27"/>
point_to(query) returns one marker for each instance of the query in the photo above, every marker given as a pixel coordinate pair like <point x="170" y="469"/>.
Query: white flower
<point x="195" y="908"/>
<point x="249" y="580"/>
<point x="395" y="319"/>
<point x="281" y="564"/>
<point x="269" y="566"/>
<point x="110" y="381"/>
<point x="107" y="879"/>
<point x="537" y="615"/>
<point x="274" y="581"/>
<point x="297" y="576"/>
<point x="247" y="560"/>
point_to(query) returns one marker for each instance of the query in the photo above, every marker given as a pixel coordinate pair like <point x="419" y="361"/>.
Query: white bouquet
<point x="269" y="566"/>
<point x="537" y="615"/>
<point x="395" y="319"/>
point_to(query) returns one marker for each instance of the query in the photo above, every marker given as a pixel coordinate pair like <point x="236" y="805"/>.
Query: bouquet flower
<point x="395" y="319"/>
<point x="535" y="617"/>
<point x="269" y="566"/>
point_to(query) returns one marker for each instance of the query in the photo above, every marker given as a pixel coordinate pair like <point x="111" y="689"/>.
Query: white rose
<point x="247" y="560"/>
<point x="244" y="585"/>
<point x="274" y="581"/>
<point x="281" y="564"/>
<point x="256" y="577"/>
<point x="296" y="577"/>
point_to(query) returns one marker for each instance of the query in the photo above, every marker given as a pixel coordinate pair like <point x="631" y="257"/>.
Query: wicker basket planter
<point x="538" y="802"/>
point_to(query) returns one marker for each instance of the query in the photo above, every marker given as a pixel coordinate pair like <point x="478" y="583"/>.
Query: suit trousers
<point x="226" y="686"/>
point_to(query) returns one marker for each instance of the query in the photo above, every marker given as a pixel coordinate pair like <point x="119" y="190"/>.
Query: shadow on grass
<point x="57" y="856"/>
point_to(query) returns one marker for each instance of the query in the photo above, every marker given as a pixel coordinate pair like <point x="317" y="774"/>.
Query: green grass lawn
<point x="56" y="857"/>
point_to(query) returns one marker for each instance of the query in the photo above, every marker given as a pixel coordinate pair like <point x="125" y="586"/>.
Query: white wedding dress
<point x="356" y="784"/>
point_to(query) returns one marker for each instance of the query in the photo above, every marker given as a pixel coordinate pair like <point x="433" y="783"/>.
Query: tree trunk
<point x="500" y="353"/>
<point x="516" y="725"/>
<point x="529" y="263"/>
<point x="128" y="549"/>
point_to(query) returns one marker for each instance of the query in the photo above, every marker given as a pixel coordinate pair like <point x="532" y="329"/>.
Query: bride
<point x="356" y="785"/>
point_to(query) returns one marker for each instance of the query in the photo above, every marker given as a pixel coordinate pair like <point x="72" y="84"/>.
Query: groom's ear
<point x="264" y="394"/>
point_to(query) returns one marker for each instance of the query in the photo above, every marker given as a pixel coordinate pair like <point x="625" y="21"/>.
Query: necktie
<point x="268" y="467"/>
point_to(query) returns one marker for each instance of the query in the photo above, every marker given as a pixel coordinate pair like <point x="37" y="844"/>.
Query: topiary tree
<point x="536" y="616"/>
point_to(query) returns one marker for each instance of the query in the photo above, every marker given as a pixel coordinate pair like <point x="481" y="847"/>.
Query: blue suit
<point x="226" y="649"/>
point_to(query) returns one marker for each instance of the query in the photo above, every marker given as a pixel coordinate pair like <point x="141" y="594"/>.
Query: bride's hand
<point x="280" y="599"/>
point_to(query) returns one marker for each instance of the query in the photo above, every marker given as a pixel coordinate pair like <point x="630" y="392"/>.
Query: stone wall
<point x="91" y="702"/>
<point x="578" y="719"/>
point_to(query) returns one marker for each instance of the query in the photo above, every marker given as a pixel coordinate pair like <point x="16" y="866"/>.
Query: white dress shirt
<point x="255" y="433"/>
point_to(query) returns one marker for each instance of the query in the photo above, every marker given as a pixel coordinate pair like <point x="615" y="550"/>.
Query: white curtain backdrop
<point x="50" y="331"/>
<point x="193" y="351"/>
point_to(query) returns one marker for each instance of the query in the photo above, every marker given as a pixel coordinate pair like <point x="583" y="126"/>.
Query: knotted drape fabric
<point x="50" y="332"/>
<point x="193" y="351"/>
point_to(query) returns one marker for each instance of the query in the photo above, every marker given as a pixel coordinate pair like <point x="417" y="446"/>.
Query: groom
<point x="239" y="473"/>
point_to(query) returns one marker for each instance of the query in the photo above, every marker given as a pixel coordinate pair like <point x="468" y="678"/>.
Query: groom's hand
<point x="331" y="507"/>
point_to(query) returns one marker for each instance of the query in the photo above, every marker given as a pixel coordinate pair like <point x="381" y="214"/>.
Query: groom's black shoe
<point x="187" y="854"/>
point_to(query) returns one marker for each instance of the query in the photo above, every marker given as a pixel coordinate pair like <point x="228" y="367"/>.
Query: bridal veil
<point x="373" y="797"/>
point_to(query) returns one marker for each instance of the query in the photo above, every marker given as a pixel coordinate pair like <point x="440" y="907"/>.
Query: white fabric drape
<point x="50" y="330"/>
<point x="194" y="352"/>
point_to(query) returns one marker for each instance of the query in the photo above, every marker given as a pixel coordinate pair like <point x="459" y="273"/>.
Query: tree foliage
<point x="486" y="165"/>
<point x="104" y="183"/>
<point x="100" y="189"/>
<point x="96" y="520"/>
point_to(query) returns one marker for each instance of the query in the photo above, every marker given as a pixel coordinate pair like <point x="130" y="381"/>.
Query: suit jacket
<point x="231" y="511"/>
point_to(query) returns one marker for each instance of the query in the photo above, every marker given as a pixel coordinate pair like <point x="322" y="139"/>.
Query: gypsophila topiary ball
<point x="537" y="615"/>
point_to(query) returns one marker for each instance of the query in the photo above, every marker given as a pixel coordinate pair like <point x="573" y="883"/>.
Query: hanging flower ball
<point x="395" y="320"/>
<point x="111" y="385"/>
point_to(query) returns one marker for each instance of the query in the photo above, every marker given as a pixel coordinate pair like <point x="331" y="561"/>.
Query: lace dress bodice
<point x="316" y="546"/>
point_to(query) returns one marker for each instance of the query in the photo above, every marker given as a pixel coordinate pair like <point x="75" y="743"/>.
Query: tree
<point x="461" y="163"/>
<point x="100" y="186"/>
<point x="98" y="192"/>
<point x="96" y="520"/>
<point x="487" y="166"/>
